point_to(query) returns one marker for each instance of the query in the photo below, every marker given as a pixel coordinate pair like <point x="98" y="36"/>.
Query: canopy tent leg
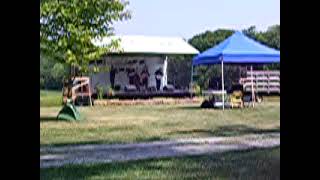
<point x="252" y="91"/>
<point x="191" y="81"/>
<point x="222" y="79"/>
<point x="90" y="99"/>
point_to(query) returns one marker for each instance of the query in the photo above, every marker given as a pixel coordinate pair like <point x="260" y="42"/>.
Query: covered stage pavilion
<point x="136" y="53"/>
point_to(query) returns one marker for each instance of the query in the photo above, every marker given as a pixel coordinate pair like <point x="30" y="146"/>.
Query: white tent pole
<point x="252" y="91"/>
<point x="165" y="77"/>
<point x="222" y="79"/>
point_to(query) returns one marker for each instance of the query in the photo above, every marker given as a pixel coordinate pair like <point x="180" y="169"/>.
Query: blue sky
<point x="185" y="18"/>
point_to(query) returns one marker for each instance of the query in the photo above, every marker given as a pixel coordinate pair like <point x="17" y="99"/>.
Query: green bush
<point x="100" y="91"/>
<point x="196" y="89"/>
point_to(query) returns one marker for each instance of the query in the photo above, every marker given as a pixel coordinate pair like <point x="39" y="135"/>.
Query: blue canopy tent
<point x="237" y="49"/>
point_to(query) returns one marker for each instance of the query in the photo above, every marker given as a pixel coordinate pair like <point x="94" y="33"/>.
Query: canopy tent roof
<point x="238" y="49"/>
<point x="150" y="44"/>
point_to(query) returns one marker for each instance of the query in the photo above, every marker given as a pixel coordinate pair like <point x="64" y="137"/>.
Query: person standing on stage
<point x="113" y="72"/>
<point x="145" y="77"/>
<point x="158" y="75"/>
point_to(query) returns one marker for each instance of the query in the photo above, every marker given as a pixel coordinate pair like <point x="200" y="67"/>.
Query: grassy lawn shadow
<point x="48" y="118"/>
<point x="204" y="132"/>
<point x="195" y="107"/>
<point x="234" y="130"/>
<point x="97" y="142"/>
<point x="52" y="119"/>
<point x="250" y="164"/>
<point x="230" y="130"/>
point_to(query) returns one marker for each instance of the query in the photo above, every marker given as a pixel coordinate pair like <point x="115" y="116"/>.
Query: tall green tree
<point x="209" y="39"/>
<point x="179" y="70"/>
<point x="51" y="73"/>
<point x="67" y="28"/>
<point x="204" y="75"/>
<point x="271" y="38"/>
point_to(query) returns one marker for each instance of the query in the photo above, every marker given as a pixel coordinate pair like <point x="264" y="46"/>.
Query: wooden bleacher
<point x="263" y="82"/>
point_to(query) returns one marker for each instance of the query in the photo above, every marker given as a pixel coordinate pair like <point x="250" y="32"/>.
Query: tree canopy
<point x="51" y="73"/>
<point x="67" y="28"/>
<point x="271" y="37"/>
<point x="209" y="39"/>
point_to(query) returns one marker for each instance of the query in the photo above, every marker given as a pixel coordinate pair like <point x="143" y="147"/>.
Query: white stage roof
<point x="150" y="44"/>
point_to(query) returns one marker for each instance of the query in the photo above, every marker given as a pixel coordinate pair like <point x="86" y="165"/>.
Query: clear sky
<point x="185" y="18"/>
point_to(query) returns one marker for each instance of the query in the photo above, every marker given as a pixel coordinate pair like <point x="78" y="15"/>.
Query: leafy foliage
<point x="270" y="38"/>
<point x="179" y="70"/>
<point x="68" y="27"/>
<point x="51" y="73"/>
<point x="100" y="91"/>
<point x="209" y="39"/>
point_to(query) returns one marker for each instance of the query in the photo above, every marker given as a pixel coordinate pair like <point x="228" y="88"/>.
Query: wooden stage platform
<point x="147" y="94"/>
<point x="154" y="101"/>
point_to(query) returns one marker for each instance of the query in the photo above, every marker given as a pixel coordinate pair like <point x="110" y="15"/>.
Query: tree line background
<point x="179" y="66"/>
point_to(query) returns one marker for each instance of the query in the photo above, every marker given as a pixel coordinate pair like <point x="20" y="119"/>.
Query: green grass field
<point x="50" y="98"/>
<point x="124" y="124"/>
<point x="254" y="164"/>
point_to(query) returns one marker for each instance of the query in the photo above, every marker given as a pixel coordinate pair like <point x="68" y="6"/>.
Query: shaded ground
<point x="82" y="154"/>
<point x="250" y="164"/>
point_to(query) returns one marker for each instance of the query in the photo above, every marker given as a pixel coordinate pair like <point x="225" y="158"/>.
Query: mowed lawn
<point x="124" y="124"/>
<point x="253" y="164"/>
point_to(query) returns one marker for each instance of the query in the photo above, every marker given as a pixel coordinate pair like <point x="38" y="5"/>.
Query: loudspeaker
<point x="117" y="87"/>
<point x="168" y="87"/>
<point x="130" y="88"/>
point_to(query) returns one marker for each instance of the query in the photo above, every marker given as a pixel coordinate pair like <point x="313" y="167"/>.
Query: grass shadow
<point x="250" y="164"/>
<point x="137" y="140"/>
<point x="231" y="130"/>
<point x="48" y="118"/>
<point x="189" y="107"/>
<point x="204" y="132"/>
<point x="55" y="119"/>
<point x="154" y="138"/>
<point x="235" y="130"/>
